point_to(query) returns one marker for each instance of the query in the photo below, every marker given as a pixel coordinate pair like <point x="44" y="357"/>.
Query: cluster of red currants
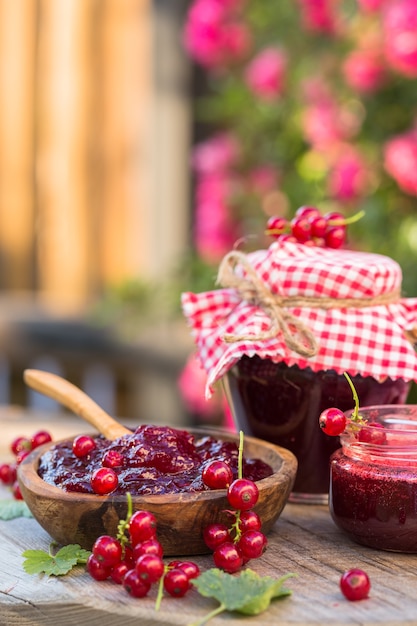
<point x="311" y="228"/>
<point x="135" y="560"/>
<point x="235" y="544"/>
<point x="20" y="448"/>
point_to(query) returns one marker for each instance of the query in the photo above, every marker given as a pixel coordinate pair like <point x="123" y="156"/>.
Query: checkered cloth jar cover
<point x="307" y="306"/>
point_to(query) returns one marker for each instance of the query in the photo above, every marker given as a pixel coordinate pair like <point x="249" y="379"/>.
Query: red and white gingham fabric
<point x="369" y="341"/>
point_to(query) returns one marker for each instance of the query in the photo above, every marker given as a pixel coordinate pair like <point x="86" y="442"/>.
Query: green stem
<point x="240" y="457"/>
<point x="347" y="220"/>
<point x="236" y="524"/>
<point x="160" y="591"/>
<point x="207" y="617"/>
<point x="355" y="414"/>
<point x="124" y="523"/>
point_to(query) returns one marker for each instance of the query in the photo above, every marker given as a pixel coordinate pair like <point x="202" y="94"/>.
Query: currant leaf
<point x="248" y="593"/>
<point x="11" y="509"/>
<point x="59" y="564"/>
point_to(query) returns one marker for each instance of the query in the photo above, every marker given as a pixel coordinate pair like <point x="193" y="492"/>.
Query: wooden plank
<point x="122" y="136"/>
<point x="304" y="541"/>
<point x="62" y="157"/>
<point x="17" y="75"/>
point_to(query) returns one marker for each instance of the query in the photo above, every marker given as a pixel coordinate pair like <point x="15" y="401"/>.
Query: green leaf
<point x="247" y="593"/>
<point x="59" y="564"/>
<point x="11" y="508"/>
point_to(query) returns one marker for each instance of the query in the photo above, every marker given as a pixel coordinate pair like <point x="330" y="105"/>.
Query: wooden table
<point x="304" y="541"/>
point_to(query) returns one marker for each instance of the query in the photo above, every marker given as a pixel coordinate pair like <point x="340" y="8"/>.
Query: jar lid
<point x="307" y="306"/>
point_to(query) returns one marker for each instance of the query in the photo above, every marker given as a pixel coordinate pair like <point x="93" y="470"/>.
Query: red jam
<point x="373" y="490"/>
<point x="155" y="460"/>
<point x="282" y="405"/>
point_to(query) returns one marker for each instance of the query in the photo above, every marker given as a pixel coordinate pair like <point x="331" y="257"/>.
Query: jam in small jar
<point x="373" y="485"/>
<point x="282" y="404"/>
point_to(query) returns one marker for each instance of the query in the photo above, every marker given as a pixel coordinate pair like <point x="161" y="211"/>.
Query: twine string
<point x="297" y="336"/>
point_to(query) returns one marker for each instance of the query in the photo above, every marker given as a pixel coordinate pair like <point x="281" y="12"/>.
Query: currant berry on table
<point x="21" y="447"/>
<point x="355" y="584"/>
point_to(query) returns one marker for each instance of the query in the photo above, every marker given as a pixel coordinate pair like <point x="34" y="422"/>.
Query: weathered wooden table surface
<point x="304" y="541"/>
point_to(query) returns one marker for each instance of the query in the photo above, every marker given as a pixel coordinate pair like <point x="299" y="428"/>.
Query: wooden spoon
<point x="75" y="399"/>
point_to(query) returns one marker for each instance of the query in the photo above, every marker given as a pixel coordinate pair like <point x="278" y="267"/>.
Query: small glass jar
<point x="282" y="404"/>
<point x="373" y="485"/>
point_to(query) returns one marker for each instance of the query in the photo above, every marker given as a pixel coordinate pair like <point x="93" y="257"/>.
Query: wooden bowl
<point x="81" y="518"/>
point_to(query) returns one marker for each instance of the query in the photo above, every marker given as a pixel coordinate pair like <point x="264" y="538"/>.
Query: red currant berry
<point x="96" y="569"/>
<point x="228" y="558"/>
<point x="40" y="437"/>
<point x="355" y="584"/>
<point x="19" y="444"/>
<point x="134" y="584"/>
<point x="252" y="544"/>
<point x="150" y="567"/>
<point x="249" y="520"/>
<point x="8" y="473"/>
<point x="307" y="211"/>
<point x="215" y="535"/>
<point x="119" y="571"/>
<point x="335" y="237"/>
<point x="243" y="494"/>
<point x="104" y="480"/>
<point x="150" y="546"/>
<point x="190" y="568"/>
<point x="217" y="475"/>
<point x="275" y="226"/>
<point x="17" y="494"/>
<point x="373" y="433"/>
<point x="332" y="421"/>
<point x="176" y="582"/>
<point x="112" y="458"/>
<point x="83" y="445"/>
<point x="21" y="455"/>
<point x="142" y="526"/>
<point x="334" y="218"/>
<point x="318" y="226"/>
<point x="107" y="550"/>
<point x="301" y="229"/>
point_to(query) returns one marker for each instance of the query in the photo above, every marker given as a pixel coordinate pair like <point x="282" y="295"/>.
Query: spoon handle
<point x="75" y="399"/>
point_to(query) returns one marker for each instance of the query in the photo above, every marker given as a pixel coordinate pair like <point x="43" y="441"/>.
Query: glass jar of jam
<point x="282" y="404"/>
<point x="373" y="485"/>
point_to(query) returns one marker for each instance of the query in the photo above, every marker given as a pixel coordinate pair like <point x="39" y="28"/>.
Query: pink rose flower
<point x="215" y="231"/>
<point x="265" y="74"/>
<point x="325" y="123"/>
<point x="213" y="34"/>
<point x="319" y="16"/>
<point x="371" y="6"/>
<point x="192" y="384"/>
<point x="216" y="154"/>
<point x="400" y="161"/>
<point x="348" y="177"/>
<point x="364" y="71"/>
<point x="400" y="36"/>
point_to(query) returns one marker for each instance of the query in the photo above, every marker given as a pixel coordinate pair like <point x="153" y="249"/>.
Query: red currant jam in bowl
<point x="282" y="405"/>
<point x="373" y="488"/>
<point x="153" y="460"/>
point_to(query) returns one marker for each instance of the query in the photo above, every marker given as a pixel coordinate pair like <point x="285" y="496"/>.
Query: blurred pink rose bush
<point x="316" y="103"/>
<point x="311" y="102"/>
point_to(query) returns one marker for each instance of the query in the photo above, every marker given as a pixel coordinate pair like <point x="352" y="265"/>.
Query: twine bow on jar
<point x="297" y="336"/>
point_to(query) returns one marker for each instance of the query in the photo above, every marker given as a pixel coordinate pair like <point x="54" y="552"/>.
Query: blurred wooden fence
<point x="93" y="144"/>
